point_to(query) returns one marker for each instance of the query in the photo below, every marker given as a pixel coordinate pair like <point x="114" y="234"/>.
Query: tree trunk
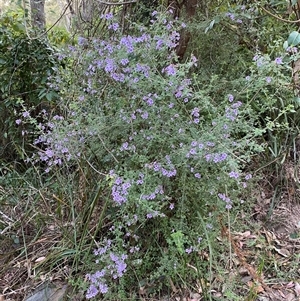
<point x="38" y="13"/>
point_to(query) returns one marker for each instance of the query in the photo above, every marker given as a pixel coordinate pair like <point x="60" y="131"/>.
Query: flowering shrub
<point x="170" y="155"/>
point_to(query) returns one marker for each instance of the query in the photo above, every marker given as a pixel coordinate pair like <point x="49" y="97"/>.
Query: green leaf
<point x="297" y="100"/>
<point x="294" y="2"/>
<point x="294" y="38"/>
<point x="285" y="45"/>
<point x="210" y="26"/>
<point x="177" y="238"/>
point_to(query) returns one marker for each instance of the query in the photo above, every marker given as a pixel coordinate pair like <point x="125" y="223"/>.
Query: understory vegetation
<point x="130" y="168"/>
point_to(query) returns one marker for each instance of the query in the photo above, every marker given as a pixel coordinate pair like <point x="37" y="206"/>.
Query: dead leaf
<point x="40" y="259"/>
<point x="283" y="252"/>
<point x="297" y="289"/>
<point x="290" y="297"/>
<point x="257" y="288"/>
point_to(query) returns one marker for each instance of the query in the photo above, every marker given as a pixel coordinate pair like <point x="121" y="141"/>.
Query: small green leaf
<point x="294" y="38"/>
<point x="210" y="26"/>
<point x="285" y="45"/>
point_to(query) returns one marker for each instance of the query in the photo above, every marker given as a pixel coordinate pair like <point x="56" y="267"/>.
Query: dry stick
<point x="119" y="3"/>
<point x="278" y="18"/>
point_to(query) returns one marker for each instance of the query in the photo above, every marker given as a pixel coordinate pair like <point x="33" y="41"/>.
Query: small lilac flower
<point x="114" y="26"/>
<point x="149" y="215"/>
<point x="233" y="174"/>
<point x="107" y="16"/>
<point x="278" y="61"/>
<point x="171" y="206"/>
<point x="230" y="97"/>
<point x="18" y="121"/>
<point x="189" y="250"/>
<point x="103" y="288"/>
<point x="26" y="114"/>
<point x="248" y="177"/>
<point x="91" y="292"/>
<point x="208" y="157"/>
<point x="268" y="79"/>
<point x="193" y="151"/>
<point x="170" y="70"/>
<point x="145" y="115"/>
<point x="81" y="41"/>
<point x="197" y="175"/>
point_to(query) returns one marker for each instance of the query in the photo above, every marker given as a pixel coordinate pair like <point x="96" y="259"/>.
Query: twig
<point x="119" y="3"/>
<point x="278" y="18"/>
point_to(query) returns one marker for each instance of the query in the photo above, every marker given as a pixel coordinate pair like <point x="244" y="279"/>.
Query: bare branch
<point x="118" y="3"/>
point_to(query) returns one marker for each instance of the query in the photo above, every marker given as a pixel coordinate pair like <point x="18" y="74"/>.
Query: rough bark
<point x="38" y="13"/>
<point x="190" y="7"/>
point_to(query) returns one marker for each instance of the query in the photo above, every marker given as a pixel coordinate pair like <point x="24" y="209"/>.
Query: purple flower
<point x="18" y="121"/>
<point x="107" y="16"/>
<point x="124" y="62"/>
<point x="81" y="41"/>
<point x="248" y="177"/>
<point x="103" y="287"/>
<point x="234" y="174"/>
<point x="268" y="79"/>
<point x="230" y="97"/>
<point x="278" y="61"/>
<point x="26" y="114"/>
<point x="91" y="292"/>
<point x="114" y="26"/>
<point x="170" y="70"/>
<point x="195" y="112"/>
<point x="145" y="115"/>
<point x="189" y="250"/>
<point x="193" y="151"/>
<point x="197" y="175"/>
<point x="149" y="215"/>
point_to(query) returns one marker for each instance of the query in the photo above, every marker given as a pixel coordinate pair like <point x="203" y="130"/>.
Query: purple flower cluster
<point x="158" y="167"/>
<point x="226" y="199"/>
<point x="158" y="191"/>
<point x="232" y="112"/>
<point x="195" y="114"/>
<point x="233" y="17"/>
<point x="115" y="267"/>
<point x="216" y="157"/>
<point x="234" y="174"/>
<point x="120" y="190"/>
<point x="58" y="147"/>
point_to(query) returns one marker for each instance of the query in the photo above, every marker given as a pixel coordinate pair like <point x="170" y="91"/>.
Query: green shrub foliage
<point x="26" y="62"/>
<point x="167" y="155"/>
